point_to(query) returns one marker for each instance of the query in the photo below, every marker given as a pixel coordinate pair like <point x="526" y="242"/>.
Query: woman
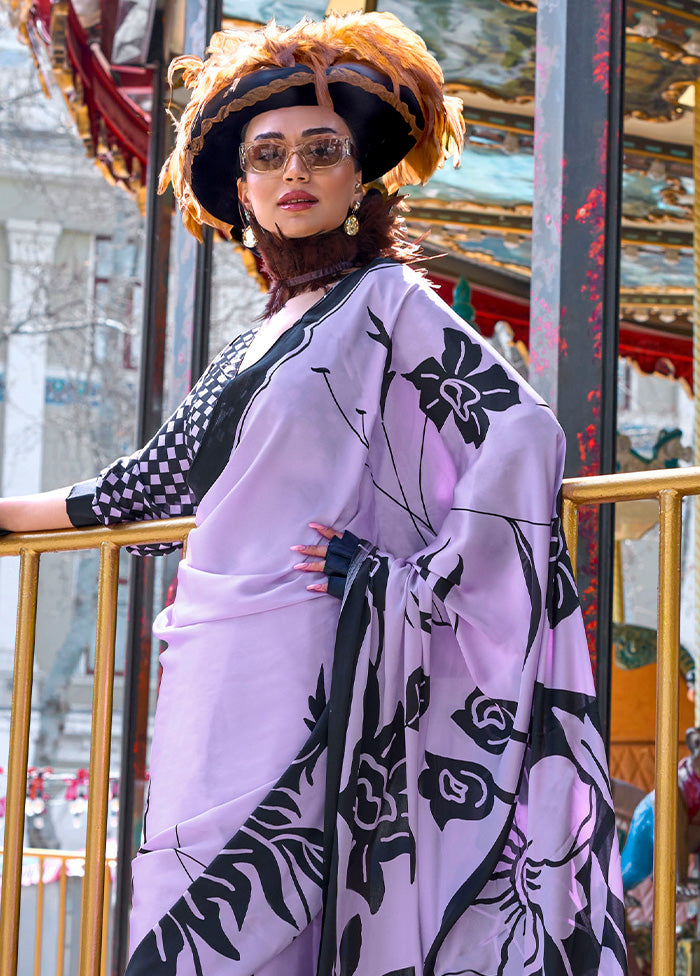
<point x="410" y="781"/>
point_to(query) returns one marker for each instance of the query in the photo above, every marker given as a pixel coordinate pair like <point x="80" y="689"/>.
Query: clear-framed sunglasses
<point x="272" y="155"/>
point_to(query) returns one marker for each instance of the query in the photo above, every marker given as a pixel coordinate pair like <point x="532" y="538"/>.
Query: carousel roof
<point x="479" y="216"/>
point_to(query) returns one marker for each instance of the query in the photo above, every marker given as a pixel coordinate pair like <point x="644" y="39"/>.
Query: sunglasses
<point x="272" y="156"/>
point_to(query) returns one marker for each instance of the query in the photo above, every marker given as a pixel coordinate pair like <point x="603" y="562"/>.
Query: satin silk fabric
<point x="412" y="781"/>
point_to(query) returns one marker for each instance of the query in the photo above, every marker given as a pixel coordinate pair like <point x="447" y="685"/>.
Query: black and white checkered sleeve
<point x="152" y="482"/>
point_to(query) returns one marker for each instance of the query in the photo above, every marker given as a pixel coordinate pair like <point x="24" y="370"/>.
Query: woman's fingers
<point x="311" y="550"/>
<point x="315" y="567"/>
<point x="318" y="553"/>
<point x="325" y="530"/>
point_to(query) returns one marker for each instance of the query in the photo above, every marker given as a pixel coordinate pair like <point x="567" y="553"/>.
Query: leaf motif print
<point x="417" y="697"/>
<point x="350" y="946"/>
<point x="199" y="913"/>
<point x="534" y="590"/>
<point x="443" y="584"/>
<point x="317" y="702"/>
<point x="283" y="859"/>
<point x="562" y="595"/>
<point x="381" y="336"/>
<point x="171" y="944"/>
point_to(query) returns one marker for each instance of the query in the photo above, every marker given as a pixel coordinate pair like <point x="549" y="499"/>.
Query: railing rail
<point x="667" y="487"/>
<point x="58" y="861"/>
<point x="29" y="547"/>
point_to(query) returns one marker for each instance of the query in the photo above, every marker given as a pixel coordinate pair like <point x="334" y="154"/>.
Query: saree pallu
<point x="412" y="781"/>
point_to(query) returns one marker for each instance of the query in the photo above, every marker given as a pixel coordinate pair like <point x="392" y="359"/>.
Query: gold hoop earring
<point x="352" y="224"/>
<point x="249" y="239"/>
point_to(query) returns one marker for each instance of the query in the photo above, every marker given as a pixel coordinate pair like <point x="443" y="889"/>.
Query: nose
<point x="295" y="167"/>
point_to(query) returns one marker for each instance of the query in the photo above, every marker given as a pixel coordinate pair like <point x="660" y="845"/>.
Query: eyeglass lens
<point x="268" y="155"/>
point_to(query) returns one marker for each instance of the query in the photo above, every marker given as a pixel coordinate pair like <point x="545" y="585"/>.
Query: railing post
<point x="100" y="740"/>
<point x="39" y="924"/>
<point x="18" y="758"/>
<point x="61" y="936"/>
<point x="665" y="827"/>
<point x="569" y="521"/>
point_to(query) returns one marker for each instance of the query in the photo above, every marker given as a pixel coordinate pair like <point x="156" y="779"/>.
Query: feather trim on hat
<point x="371" y="39"/>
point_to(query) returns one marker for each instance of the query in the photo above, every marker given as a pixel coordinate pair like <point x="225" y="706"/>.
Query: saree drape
<point x="412" y="781"/>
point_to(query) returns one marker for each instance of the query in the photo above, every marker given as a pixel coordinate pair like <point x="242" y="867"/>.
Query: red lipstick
<point x="297" y="200"/>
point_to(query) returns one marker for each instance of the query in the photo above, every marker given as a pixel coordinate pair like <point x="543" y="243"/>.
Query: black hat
<point x="383" y="128"/>
<point x="402" y="124"/>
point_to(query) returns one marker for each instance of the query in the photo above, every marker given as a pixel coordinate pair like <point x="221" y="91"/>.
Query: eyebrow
<point x="305" y="133"/>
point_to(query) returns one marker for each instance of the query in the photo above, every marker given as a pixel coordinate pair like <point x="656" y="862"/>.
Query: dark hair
<point x="323" y="258"/>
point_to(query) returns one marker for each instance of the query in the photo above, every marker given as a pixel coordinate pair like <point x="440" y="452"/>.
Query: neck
<point x="297" y="265"/>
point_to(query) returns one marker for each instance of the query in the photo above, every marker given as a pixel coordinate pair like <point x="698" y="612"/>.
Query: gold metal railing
<point x="59" y="861"/>
<point x="29" y="548"/>
<point x="667" y="487"/>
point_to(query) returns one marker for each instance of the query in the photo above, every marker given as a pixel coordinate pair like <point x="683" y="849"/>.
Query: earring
<point x="249" y="239"/>
<point x="352" y="224"/>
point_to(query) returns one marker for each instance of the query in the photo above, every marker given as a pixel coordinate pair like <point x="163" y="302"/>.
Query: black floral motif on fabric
<point x="455" y="388"/>
<point x="562" y="595"/>
<point x="527" y="562"/>
<point x="273" y="842"/>
<point x="488" y="721"/>
<point x="528" y="876"/>
<point x="374" y="803"/>
<point x="417" y="697"/>
<point x="443" y="585"/>
<point x="458" y="790"/>
<point x="281" y="865"/>
<point x="350" y="946"/>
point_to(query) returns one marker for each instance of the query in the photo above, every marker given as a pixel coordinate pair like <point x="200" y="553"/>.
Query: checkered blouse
<point x="152" y="482"/>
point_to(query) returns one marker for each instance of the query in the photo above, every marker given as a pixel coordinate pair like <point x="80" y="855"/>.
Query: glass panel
<point x="490" y="45"/>
<point x="287" y="12"/>
<point x="78" y="302"/>
<point x="238" y="298"/>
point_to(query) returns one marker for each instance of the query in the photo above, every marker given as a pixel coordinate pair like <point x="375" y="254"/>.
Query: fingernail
<point x="316" y="587"/>
<point x="300" y="566"/>
<point x="297" y="548"/>
<point x="315" y="525"/>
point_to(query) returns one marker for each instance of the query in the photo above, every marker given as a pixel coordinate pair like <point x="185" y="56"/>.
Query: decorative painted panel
<point x="285" y="12"/>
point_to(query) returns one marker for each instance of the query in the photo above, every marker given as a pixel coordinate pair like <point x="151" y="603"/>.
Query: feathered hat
<point x="370" y="69"/>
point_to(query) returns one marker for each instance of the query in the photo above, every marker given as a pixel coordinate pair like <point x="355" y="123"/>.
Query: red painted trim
<point x="652" y="350"/>
<point x="655" y="352"/>
<point x="126" y="123"/>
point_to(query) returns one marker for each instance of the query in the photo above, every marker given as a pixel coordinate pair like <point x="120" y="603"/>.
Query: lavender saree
<point x="410" y="781"/>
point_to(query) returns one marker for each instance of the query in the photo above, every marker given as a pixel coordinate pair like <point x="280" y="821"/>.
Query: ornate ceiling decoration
<point x="479" y="215"/>
<point x="529" y="5"/>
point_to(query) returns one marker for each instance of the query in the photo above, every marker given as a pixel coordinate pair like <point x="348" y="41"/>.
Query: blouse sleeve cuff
<point x="79" y="504"/>
<point x="341" y="551"/>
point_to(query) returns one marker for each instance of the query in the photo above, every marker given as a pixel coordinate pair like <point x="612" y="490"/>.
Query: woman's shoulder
<point x="387" y="283"/>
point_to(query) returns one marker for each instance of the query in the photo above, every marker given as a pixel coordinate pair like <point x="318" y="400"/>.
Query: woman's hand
<point x="318" y="554"/>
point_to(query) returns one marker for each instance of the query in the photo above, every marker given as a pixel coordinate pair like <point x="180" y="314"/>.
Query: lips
<point x="297" y="200"/>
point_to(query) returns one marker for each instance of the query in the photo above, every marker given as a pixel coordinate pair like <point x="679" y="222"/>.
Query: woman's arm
<point x="28" y="513"/>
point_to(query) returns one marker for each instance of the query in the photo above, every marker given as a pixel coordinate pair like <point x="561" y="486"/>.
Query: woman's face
<point x="297" y="199"/>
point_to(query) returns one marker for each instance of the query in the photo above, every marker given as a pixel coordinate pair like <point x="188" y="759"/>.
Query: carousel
<point x="488" y="239"/>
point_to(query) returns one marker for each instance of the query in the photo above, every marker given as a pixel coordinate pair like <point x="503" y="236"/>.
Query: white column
<point x="32" y="244"/>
